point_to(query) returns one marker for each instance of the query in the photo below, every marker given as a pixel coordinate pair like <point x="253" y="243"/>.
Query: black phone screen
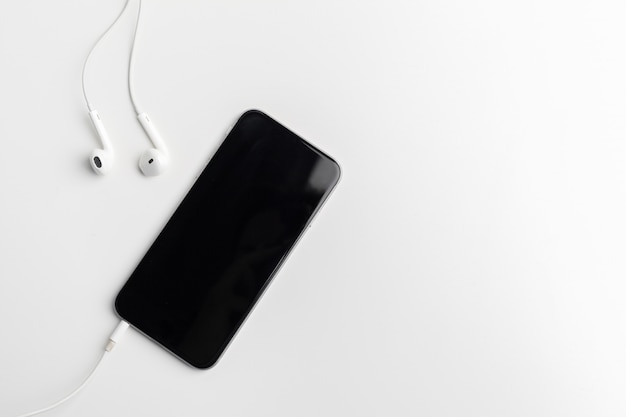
<point x="211" y="262"/>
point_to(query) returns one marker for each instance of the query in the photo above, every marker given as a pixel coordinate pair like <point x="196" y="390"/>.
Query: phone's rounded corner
<point x="116" y="308"/>
<point x="246" y="115"/>
<point x="202" y="366"/>
<point x="338" y="170"/>
<point x="205" y="367"/>
<point x="252" y="112"/>
<point x="334" y="169"/>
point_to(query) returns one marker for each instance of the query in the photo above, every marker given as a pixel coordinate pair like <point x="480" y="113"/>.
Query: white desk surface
<point x="470" y="263"/>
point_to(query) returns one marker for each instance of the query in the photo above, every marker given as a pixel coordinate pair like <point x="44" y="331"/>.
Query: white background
<point x="470" y="263"/>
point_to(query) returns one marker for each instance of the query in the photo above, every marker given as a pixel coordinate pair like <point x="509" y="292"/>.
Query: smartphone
<point x="227" y="239"/>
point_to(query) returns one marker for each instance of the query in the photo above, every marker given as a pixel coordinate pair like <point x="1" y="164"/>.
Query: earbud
<point x="101" y="160"/>
<point x="154" y="161"/>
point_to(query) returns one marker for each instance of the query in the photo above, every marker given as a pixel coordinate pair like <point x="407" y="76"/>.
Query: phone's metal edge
<point x="274" y="272"/>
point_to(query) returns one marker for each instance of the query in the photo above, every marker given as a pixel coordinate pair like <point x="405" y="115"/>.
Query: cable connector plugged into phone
<point x="115" y="337"/>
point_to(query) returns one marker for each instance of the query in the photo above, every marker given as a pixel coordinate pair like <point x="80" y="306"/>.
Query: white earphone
<point x="153" y="161"/>
<point x="101" y="159"/>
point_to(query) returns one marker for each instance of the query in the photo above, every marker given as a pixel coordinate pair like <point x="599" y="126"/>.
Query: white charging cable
<point x="113" y="340"/>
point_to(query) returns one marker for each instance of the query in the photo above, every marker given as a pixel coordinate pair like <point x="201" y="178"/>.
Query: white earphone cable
<point x="113" y="339"/>
<point x="94" y="47"/>
<point x="130" y="64"/>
